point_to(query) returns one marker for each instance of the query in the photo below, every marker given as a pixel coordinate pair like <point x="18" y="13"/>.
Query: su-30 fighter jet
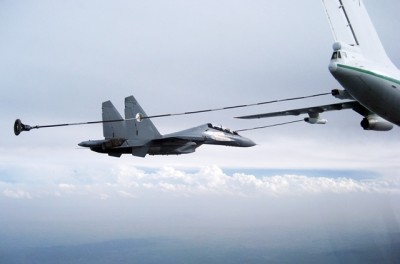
<point x="138" y="136"/>
<point x="360" y="64"/>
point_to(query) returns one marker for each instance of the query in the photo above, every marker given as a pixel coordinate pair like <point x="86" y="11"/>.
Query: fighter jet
<point x="137" y="135"/>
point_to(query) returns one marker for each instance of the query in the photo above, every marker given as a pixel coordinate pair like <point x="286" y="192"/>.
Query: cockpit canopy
<point x="337" y="55"/>
<point x="220" y="128"/>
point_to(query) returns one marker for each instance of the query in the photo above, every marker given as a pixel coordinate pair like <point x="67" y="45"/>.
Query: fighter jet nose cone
<point x="250" y="143"/>
<point x="83" y="144"/>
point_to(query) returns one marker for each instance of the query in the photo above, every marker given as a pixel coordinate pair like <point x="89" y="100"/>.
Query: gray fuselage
<point x="376" y="88"/>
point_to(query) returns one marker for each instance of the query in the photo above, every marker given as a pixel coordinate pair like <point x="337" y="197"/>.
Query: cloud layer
<point x="130" y="182"/>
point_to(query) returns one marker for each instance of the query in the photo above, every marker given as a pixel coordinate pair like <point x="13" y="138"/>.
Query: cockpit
<point x="337" y="55"/>
<point x="220" y="128"/>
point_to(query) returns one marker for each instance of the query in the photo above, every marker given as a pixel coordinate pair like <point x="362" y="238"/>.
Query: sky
<point x="323" y="193"/>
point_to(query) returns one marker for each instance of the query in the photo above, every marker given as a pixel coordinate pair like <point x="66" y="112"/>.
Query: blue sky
<point x="60" y="60"/>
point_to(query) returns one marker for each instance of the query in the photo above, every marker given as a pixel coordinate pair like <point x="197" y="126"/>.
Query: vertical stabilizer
<point x="112" y="129"/>
<point x="138" y="128"/>
<point x="351" y="24"/>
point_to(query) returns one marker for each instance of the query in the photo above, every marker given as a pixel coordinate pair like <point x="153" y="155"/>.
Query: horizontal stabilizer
<point x="140" y="151"/>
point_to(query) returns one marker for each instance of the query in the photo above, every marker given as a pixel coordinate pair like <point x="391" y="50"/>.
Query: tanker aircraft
<point x="360" y="64"/>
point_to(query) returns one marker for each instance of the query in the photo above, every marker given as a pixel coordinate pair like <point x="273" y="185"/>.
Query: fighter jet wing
<point x="178" y="145"/>
<point x="313" y="111"/>
<point x="178" y="139"/>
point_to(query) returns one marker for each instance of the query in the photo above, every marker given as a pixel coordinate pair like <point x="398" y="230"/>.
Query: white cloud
<point x="66" y="187"/>
<point x="126" y="194"/>
<point x="130" y="182"/>
<point x="16" y="194"/>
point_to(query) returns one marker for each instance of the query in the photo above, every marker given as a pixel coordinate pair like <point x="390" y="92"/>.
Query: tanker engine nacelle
<point x="315" y="120"/>
<point x="341" y="94"/>
<point x="376" y="123"/>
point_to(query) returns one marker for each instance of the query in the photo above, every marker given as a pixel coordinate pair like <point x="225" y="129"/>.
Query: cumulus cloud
<point x="212" y="179"/>
<point x="207" y="202"/>
<point x="130" y="182"/>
